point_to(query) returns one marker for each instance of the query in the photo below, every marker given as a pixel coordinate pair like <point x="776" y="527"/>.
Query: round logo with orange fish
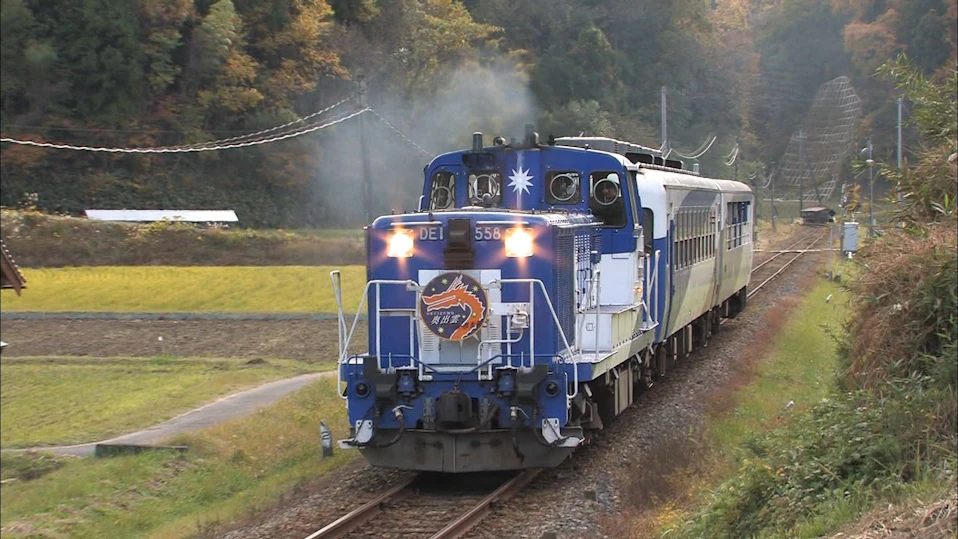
<point x="453" y="306"/>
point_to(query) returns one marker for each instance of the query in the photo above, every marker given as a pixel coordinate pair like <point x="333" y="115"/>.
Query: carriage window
<point x="563" y="188"/>
<point x="443" y="193"/>
<point x="485" y="188"/>
<point x="694" y="236"/>
<point x="737" y="224"/>
<point x="605" y="198"/>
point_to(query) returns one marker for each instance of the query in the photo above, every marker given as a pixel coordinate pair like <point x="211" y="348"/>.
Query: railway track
<point x="776" y="264"/>
<point x="433" y="506"/>
<point x="437" y="506"/>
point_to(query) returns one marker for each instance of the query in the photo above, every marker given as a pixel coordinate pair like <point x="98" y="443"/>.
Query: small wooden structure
<point x="10" y="276"/>
<point x="817" y="216"/>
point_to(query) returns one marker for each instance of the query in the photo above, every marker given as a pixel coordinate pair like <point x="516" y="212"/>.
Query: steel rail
<point x="778" y="254"/>
<point x="755" y="290"/>
<point x="356" y="518"/>
<point x="465" y="522"/>
<point x="456" y="528"/>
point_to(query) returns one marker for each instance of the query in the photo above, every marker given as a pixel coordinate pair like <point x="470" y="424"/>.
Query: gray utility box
<point x="850" y="237"/>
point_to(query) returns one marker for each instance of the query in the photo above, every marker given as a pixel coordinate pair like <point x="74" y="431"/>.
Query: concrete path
<point x="222" y="410"/>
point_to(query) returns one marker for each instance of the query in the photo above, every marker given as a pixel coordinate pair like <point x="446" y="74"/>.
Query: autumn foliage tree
<point x="171" y="72"/>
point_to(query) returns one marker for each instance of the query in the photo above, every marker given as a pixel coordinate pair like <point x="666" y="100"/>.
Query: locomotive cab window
<point x="605" y="198"/>
<point x="442" y="194"/>
<point x="485" y="188"/>
<point x="648" y="223"/>
<point x="563" y="188"/>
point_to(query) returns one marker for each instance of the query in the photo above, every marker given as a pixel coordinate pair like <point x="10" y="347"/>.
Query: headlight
<point x="400" y="244"/>
<point x="518" y="243"/>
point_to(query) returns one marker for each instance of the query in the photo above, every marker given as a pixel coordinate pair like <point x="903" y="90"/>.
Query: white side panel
<point x="596" y="334"/>
<point x="617" y="279"/>
<point x="652" y="195"/>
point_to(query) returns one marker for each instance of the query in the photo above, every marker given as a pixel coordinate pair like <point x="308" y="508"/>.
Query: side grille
<point x="564" y="299"/>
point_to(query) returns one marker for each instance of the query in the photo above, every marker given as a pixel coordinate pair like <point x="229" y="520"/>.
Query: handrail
<point x="336" y="278"/>
<point x="344" y="341"/>
<point x="652" y="286"/>
<point x="598" y="301"/>
<point x="571" y="357"/>
<point x="499" y="341"/>
<point x="362" y="302"/>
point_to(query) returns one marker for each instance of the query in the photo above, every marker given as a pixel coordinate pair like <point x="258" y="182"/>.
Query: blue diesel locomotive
<point x="536" y="292"/>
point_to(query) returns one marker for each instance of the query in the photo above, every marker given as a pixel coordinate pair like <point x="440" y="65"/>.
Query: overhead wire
<point x="278" y="127"/>
<point x="695" y="155"/>
<point x="400" y="133"/>
<point x="224" y="144"/>
<point x="729" y="160"/>
<point x="218" y="144"/>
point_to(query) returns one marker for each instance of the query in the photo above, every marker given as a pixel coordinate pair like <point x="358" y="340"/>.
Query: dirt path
<point x="222" y="410"/>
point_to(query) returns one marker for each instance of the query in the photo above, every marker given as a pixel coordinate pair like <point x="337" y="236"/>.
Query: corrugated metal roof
<point x="190" y="216"/>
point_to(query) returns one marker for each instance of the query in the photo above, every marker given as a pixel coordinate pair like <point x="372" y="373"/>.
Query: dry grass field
<point x="163" y="289"/>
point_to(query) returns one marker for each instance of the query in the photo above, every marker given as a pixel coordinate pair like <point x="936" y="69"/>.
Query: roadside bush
<point x="894" y="420"/>
<point x="907" y="296"/>
<point x="42" y="240"/>
<point x="853" y="447"/>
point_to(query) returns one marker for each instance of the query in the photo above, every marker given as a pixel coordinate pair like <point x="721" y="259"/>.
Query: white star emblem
<point x="521" y="180"/>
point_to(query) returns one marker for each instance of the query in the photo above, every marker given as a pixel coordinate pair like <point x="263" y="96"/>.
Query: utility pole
<point x="735" y="168"/>
<point x="665" y="123"/>
<point x="801" y="178"/>
<point x="771" y="198"/>
<point x="899" y="148"/>
<point x="899" y="139"/>
<point x="364" y="152"/>
<point x="868" y="150"/>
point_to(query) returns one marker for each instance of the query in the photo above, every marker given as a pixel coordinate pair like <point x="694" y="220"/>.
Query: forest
<point x="148" y="73"/>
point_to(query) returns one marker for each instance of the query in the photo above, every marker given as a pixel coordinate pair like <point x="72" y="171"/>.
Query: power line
<point x="400" y="133"/>
<point x="695" y="155"/>
<point x="217" y="142"/>
<point x="223" y="145"/>
<point x="729" y="159"/>
<point x="278" y="127"/>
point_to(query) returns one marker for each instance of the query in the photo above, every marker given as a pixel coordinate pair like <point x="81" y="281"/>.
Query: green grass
<point x="800" y="368"/>
<point x="65" y="400"/>
<point x="296" y="289"/>
<point x="230" y="471"/>
<point x="803" y="471"/>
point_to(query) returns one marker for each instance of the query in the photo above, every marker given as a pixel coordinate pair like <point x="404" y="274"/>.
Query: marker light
<point x="400" y="244"/>
<point x="518" y="243"/>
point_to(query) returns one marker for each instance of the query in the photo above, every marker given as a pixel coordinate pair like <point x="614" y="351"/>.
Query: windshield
<point x="485" y="188"/>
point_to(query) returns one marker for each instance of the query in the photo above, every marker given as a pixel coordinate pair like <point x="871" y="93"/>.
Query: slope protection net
<point x="815" y="151"/>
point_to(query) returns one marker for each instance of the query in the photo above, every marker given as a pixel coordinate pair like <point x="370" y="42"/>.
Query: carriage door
<point x="638" y="255"/>
<point x="718" y="229"/>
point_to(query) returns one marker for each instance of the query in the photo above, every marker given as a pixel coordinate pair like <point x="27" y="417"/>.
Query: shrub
<point x="906" y="295"/>
<point x="42" y="240"/>
<point x="854" y="445"/>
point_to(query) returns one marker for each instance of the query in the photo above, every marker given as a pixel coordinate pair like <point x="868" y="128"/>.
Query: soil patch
<point x="305" y="340"/>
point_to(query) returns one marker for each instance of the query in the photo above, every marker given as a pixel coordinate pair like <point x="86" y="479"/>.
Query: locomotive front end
<point x="470" y="337"/>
